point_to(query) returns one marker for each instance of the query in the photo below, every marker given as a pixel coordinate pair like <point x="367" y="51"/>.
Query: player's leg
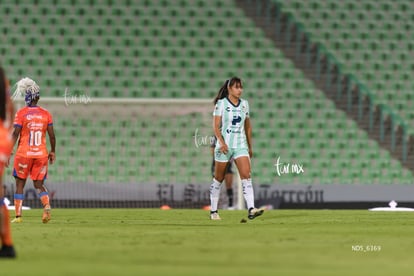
<point x="215" y="187"/>
<point x="38" y="174"/>
<point x="44" y="199"/>
<point x="213" y="167"/>
<point x="21" y="170"/>
<point x="42" y="191"/>
<point x="228" y="179"/>
<point x="221" y="161"/>
<point x="18" y="199"/>
<point x="243" y="165"/>
<point x="7" y="250"/>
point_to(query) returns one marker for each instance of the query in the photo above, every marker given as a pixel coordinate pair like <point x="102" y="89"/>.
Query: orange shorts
<point x="5" y="148"/>
<point x="37" y="167"/>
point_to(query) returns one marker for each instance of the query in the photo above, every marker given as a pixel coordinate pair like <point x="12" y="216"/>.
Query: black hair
<point x="224" y="89"/>
<point x="2" y="94"/>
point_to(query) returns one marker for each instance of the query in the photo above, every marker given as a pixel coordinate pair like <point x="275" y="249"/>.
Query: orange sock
<point x="18" y="203"/>
<point x="44" y="198"/>
<point x="5" y="232"/>
<point x="18" y="207"/>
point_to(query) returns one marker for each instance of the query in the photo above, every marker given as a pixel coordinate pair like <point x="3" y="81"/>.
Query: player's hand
<point x="52" y="157"/>
<point x="250" y="152"/>
<point x="224" y="149"/>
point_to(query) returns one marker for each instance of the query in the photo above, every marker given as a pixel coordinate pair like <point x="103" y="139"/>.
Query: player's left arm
<point x="15" y="136"/>
<point x="52" y="139"/>
<point x="248" y="130"/>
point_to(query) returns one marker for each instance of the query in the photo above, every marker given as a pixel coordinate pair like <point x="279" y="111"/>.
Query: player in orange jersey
<point x="30" y="126"/>
<point x="6" y="114"/>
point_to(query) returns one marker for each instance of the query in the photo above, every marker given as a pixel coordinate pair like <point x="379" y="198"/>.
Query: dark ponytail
<point x="2" y="95"/>
<point x="224" y="89"/>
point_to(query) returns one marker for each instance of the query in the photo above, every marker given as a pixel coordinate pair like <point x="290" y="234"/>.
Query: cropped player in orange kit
<point x="31" y="124"/>
<point x="6" y="114"/>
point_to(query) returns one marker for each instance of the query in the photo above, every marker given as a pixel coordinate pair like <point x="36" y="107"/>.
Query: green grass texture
<point x="187" y="242"/>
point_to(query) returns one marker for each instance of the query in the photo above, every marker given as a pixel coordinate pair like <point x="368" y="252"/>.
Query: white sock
<point x="214" y="194"/>
<point x="248" y="192"/>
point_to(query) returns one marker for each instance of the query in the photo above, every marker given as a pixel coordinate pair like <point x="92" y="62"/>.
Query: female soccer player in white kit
<point x="233" y="131"/>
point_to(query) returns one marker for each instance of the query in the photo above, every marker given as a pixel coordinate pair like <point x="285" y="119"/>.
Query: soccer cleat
<point x="7" y="252"/>
<point x="254" y="212"/>
<point x="214" y="216"/>
<point x="46" y="214"/>
<point x="17" y="220"/>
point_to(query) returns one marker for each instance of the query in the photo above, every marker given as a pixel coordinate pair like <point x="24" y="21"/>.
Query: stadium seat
<point x="373" y="27"/>
<point x="158" y="49"/>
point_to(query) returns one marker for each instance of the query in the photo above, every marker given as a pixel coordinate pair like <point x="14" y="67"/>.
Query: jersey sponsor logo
<point x="236" y="119"/>
<point x="31" y="117"/>
<point x="35" y="125"/>
<point x="233" y="131"/>
<point x="228" y="109"/>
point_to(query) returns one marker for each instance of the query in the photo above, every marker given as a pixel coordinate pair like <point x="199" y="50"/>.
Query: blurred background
<point x="131" y="83"/>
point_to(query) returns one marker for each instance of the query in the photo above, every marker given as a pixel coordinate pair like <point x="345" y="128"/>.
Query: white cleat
<point x="254" y="212"/>
<point x="214" y="216"/>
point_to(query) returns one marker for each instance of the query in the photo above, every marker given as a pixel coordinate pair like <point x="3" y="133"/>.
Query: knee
<point x="245" y="175"/>
<point x="219" y="176"/>
<point x="37" y="184"/>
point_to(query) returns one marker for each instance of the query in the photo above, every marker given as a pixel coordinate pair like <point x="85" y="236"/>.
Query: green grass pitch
<point x="186" y="242"/>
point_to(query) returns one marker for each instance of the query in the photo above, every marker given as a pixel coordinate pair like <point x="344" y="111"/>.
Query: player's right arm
<point x="17" y="124"/>
<point x="15" y="136"/>
<point x="217" y="114"/>
<point x="52" y="139"/>
<point x="217" y="133"/>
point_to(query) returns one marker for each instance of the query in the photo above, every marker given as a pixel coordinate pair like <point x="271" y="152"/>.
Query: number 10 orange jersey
<point x="33" y="121"/>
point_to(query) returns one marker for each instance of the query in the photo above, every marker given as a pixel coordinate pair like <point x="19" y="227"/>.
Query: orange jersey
<point x="33" y="121"/>
<point x="5" y="146"/>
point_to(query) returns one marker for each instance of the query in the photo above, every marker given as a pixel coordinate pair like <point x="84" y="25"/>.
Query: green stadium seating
<point x="186" y="49"/>
<point x="370" y="39"/>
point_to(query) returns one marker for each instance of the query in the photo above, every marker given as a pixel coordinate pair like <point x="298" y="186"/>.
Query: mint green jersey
<point x="232" y="122"/>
